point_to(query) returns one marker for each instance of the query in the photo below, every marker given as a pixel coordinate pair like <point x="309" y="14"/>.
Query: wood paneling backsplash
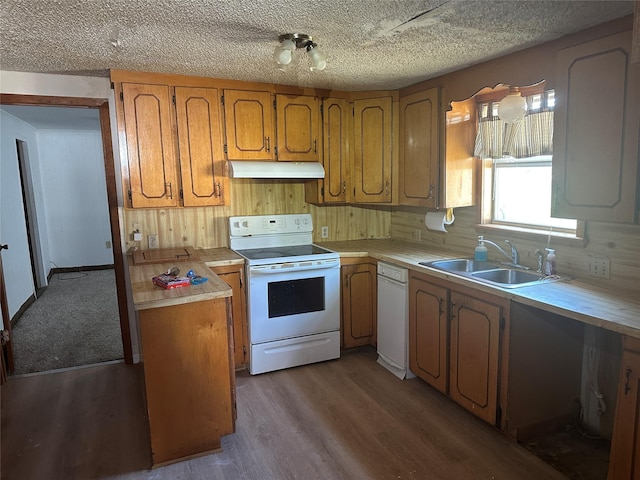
<point x="620" y="243"/>
<point x="207" y="227"/>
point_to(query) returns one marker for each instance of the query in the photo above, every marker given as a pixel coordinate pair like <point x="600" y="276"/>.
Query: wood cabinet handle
<point x="268" y="142"/>
<point x="627" y="374"/>
<point x="431" y="187"/>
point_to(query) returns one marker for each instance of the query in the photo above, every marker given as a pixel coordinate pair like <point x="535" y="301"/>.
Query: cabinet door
<point x="372" y="150"/>
<point x="200" y="146"/>
<point x="248" y="125"/>
<point x="475" y="342"/>
<point x="595" y="148"/>
<point x="359" y="304"/>
<point x="428" y="332"/>
<point x="624" y="463"/>
<point x="234" y="277"/>
<point x="419" y="149"/>
<point x="298" y="128"/>
<point x="151" y="150"/>
<point x="336" y="158"/>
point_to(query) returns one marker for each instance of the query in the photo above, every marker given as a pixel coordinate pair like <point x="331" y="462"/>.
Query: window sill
<point x="559" y="238"/>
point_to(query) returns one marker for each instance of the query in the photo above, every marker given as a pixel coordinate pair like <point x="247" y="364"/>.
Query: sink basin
<point x="461" y="265"/>
<point x="488" y="272"/>
<point x="508" y="277"/>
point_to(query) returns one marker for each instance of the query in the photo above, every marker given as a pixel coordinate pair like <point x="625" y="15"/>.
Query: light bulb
<point x="284" y="52"/>
<point x="513" y="107"/>
<point x="318" y="60"/>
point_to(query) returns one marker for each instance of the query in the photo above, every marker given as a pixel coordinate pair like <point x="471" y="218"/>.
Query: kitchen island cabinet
<point x="359" y="318"/>
<point x="189" y="385"/>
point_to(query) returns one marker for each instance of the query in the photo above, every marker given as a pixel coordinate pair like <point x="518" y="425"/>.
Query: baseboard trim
<point x="22" y="309"/>
<point x="81" y="269"/>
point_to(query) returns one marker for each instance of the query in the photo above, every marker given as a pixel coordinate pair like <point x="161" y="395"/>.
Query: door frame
<point x="102" y="104"/>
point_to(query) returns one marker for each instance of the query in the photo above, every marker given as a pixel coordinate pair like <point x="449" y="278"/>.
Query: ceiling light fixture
<point x="513" y="107"/>
<point x="285" y="53"/>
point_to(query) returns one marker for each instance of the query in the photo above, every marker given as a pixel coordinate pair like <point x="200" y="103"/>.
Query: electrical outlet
<point x="324" y="232"/>
<point x="153" y="240"/>
<point x="107" y="244"/>
<point x="417" y="234"/>
<point x="599" y="267"/>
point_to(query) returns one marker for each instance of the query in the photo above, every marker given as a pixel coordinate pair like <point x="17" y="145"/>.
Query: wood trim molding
<point x="635" y="40"/>
<point x="103" y="105"/>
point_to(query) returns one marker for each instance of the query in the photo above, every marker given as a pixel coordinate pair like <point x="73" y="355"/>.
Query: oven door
<point x="293" y="300"/>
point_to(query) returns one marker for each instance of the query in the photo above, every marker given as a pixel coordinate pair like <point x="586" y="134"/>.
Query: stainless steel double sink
<point x="489" y="272"/>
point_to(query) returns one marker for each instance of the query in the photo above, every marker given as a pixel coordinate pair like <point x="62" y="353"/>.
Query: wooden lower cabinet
<point x="188" y="377"/>
<point x="455" y="342"/>
<point x="429" y="331"/>
<point x="475" y="351"/>
<point x="359" y="311"/>
<point x="233" y="275"/>
<point x="624" y="462"/>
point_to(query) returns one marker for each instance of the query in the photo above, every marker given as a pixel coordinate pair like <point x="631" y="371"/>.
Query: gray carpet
<point x="74" y="322"/>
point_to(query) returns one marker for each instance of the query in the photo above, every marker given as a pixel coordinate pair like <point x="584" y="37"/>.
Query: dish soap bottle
<point x="550" y="262"/>
<point x="480" y="253"/>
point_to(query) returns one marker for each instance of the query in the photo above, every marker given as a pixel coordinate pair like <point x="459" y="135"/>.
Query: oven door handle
<point x="268" y="270"/>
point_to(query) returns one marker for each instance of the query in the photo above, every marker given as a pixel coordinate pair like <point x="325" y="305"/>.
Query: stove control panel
<point x="270" y="224"/>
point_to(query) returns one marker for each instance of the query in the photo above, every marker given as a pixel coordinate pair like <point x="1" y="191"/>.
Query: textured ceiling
<point x="369" y="44"/>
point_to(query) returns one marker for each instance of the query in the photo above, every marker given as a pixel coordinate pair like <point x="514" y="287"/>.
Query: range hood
<point x="249" y="169"/>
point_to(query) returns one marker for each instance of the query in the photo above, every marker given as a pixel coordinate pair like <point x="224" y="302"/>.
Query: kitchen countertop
<point x="147" y="295"/>
<point x="572" y="299"/>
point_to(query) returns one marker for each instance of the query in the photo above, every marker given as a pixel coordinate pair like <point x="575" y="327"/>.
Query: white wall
<point x="24" y="83"/>
<point x="75" y="197"/>
<point x="13" y="231"/>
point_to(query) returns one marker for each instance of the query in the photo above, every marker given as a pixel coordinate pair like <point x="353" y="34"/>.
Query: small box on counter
<point x="165" y="280"/>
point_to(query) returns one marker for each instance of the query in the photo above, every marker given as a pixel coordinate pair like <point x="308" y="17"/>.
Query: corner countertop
<point x="615" y="311"/>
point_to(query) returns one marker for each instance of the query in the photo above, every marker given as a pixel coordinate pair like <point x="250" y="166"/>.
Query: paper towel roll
<point x="437" y="220"/>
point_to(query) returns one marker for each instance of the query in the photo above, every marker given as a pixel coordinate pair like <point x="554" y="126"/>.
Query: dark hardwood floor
<point x="343" y="419"/>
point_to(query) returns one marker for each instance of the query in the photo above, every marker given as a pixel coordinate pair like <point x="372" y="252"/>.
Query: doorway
<point x="109" y="173"/>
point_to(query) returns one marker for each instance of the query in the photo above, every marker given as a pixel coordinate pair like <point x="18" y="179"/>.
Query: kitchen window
<point x="516" y="166"/>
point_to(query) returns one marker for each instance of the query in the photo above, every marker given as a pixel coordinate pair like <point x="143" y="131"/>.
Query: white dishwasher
<point x="393" y="319"/>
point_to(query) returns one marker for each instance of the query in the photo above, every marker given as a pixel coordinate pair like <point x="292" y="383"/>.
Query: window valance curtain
<point x="530" y="137"/>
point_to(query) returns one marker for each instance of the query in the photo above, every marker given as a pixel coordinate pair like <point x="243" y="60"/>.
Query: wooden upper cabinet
<point x="419" y="149"/>
<point x="474" y="355"/>
<point x="372" y="150"/>
<point x="336" y="159"/>
<point x="200" y="146"/>
<point x="153" y="179"/>
<point x="298" y="128"/>
<point x="249" y="125"/>
<point x="595" y="148"/>
<point x="458" y="176"/>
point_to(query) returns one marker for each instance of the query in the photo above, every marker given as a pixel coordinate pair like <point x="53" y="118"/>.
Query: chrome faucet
<point x="514" y="257"/>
